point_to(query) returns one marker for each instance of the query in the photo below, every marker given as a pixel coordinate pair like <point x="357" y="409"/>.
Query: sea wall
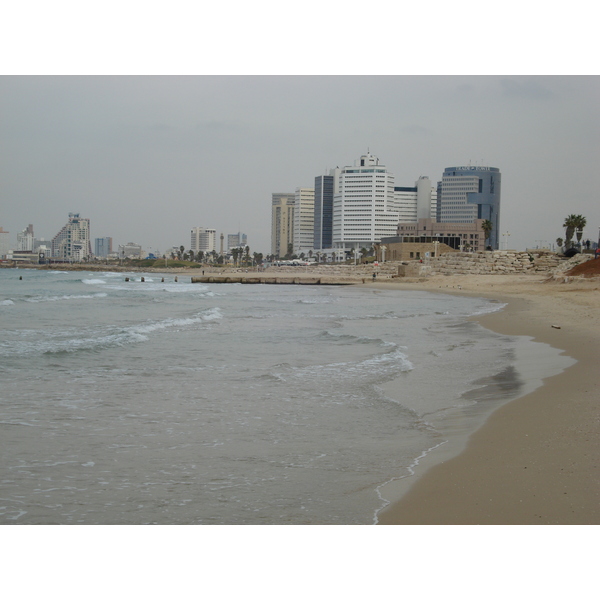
<point x="498" y="262"/>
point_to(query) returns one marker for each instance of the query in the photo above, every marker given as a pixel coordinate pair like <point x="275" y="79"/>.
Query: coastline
<point x="536" y="459"/>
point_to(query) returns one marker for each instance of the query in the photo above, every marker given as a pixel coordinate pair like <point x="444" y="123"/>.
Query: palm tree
<point x="581" y="222"/>
<point x="487" y="227"/>
<point x="570" y="224"/>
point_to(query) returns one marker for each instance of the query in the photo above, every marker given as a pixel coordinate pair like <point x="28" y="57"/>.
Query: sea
<point x="161" y="401"/>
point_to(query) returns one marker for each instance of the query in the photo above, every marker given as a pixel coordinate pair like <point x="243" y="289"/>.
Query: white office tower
<point x="25" y="240"/>
<point x="73" y="242"/>
<point x="364" y="208"/>
<point x="418" y="202"/>
<point x="304" y="220"/>
<point x="203" y="239"/>
<point x="4" y="243"/>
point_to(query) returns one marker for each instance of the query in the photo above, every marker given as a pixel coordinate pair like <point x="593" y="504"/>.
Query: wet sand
<point x="536" y="460"/>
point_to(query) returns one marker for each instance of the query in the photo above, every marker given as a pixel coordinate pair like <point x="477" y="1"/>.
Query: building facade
<point x="282" y="223"/>
<point x="326" y="186"/>
<point x="203" y="239"/>
<point x="470" y="193"/>
<point x="418" y="202"/>
<point x="25" y="240"/>
<point x="236" y="240"/>
<point x="73" y="242"/>
<point x="130" y="250"/>
<point x="459" y="236"/>
<point x="364" y="206"/>
<point x="103" y="247"/>
<point x="4" y="243"/>
<point x="304" y="220"/>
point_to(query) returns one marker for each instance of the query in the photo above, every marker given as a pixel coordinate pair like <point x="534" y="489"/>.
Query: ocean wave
<point x="491" y="307"/>
<point x="36" y="299"/>
<point x="6" y="302"/>
<point x="93" y="281"/>
<point x="70" y="343"/>
<point x="348" y="339"/>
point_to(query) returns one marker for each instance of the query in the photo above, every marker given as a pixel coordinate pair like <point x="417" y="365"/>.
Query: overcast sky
<point x="148" y="157"/>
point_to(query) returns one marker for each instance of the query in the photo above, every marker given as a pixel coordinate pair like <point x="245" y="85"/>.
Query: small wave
<point x="489" y="308"/>
<point x="6" y="302"/>
<point x="93" y="281"/>
<point x="346" y="339"/>
<point x="130" y="335"/>
<point x="36" y="299"/>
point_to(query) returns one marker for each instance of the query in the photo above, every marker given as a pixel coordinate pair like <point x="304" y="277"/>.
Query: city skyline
<point x="147" y="158"/>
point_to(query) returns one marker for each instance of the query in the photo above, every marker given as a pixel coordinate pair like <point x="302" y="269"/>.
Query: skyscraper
<point x="325" y="188"/>
<point x="282" y="223"/>
<point x="304" y="220"/>
<point x="25" y="240"/>
<point x="364" y="207"/>
<point x="236" y="240"/>
<point x="470" y="193"/>
<point x="103" y="247"/>
<point x="72" y="242"/>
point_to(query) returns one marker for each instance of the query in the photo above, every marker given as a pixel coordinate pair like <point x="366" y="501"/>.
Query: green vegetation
<point x="487" y="227"/>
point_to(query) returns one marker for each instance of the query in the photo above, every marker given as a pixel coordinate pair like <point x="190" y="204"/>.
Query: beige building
<point x="282" y="223"/>
<point x="304" y="220"/>
<point x="410" y="250"/>
<point x="468" y="237"/>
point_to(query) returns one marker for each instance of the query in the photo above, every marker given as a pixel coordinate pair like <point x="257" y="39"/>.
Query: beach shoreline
<point x="536" y="459"/>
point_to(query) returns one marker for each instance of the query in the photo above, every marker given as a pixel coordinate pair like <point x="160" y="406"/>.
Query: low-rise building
<point x="465" y="236"/>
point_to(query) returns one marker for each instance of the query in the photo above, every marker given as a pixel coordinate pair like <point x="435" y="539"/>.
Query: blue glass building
<point x="470" y="193"/>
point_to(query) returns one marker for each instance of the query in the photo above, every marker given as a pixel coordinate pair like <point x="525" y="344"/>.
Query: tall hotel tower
<point x="203" y="239"/>
<point x="282" y="223"/>
<point x="364" y="207"/>
<point x="470" y="193"/>
<point x="304" y="220"/>
<point x="73" y="242"/>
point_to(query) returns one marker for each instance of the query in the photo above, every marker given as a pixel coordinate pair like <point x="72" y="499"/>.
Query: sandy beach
<point x="536" y="460"/>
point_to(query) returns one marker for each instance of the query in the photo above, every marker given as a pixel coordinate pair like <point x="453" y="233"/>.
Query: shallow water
<point x="179" y="403"/>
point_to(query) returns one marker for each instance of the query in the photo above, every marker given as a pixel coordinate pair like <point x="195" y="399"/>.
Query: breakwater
<point x="274" y="280"/>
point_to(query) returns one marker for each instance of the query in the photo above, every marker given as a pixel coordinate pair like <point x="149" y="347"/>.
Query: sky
<point x="146" y="158"/>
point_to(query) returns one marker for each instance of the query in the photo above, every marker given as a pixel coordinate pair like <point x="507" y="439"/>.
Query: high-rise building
<point x="282" y="223"/>
<point x="364" y="207"/>
<point x="236" y="240"/>
<point x="203" y="239"/>
<point x="470" y="193"/>
<point x="72" y="242"/>
<point x="25" y="240"/>
<point x="304" y="220"/>
<point x="325" y="189"/>
<point x="418" y="202"/>
<point x="103" y="247"/>
<point x="4" y="243"/>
